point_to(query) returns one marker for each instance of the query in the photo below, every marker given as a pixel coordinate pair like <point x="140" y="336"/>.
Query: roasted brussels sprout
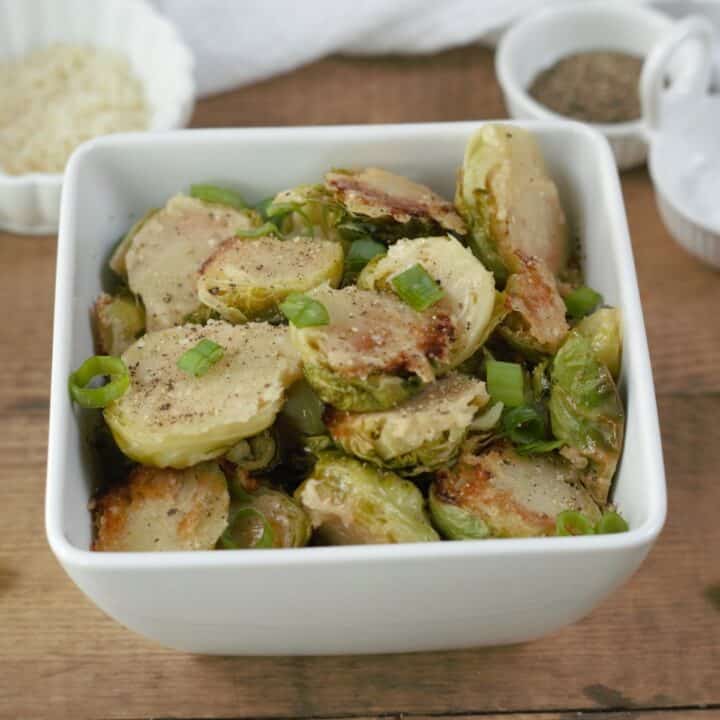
<point x="117" y="259"/>
<point x="118" y="321"/>
<point x="603" y="329"/>
<point x="350" y="502"/>
<point x="499" y="493"/>
<point x="418" y="436"/>
<point x="303" y="410"/>
<point x="509" y="201"/>
<point x="586" y="412"/>
<point x="259" y="452"/>
<point x="167" y="251"/>
<point x="265" y="518"/>
<point x="535" y="323"/>
<point x="163" y="509"/>
<point x="374" y="353"/>
<point x="469" y="289"/>
<point x="394" y="206"/>
<point x="246" y="279"/>
<point x="171" y="418"/>
<point x="306" y="210"/>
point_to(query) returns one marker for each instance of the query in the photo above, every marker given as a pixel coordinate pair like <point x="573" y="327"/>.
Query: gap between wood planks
<point x="699" y="712"/>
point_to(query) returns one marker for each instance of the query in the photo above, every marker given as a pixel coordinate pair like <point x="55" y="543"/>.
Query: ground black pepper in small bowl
<point x="597" y="86"/>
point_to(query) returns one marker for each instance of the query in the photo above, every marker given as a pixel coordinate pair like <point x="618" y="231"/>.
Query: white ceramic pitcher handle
<point x="695" y="79"/>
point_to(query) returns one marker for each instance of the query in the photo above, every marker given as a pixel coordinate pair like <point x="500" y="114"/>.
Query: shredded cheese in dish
<point x="58" y="97"/>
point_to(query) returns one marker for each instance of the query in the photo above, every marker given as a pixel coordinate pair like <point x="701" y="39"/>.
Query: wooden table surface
<point x="651" y="651"/>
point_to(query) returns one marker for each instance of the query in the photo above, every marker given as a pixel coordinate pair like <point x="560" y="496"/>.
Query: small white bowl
<point x="30" y="203"/>
<point x="543" y="38"/>
<point x="344" y="599"/>
<point x="684" y="158"/>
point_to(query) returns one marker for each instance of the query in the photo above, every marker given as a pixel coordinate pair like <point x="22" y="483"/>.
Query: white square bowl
<point x="359" y="599"/>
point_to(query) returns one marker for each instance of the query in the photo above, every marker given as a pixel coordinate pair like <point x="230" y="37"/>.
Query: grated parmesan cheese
<point x="56" y="98"/>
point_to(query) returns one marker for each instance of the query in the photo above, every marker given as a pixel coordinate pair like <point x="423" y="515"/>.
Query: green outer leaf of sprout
<point x="92" y="367"/>
<point x="267" y="228"/>
<point x="218" y="195"/>
<point x="539" y="447"/>
<point x="263" y="206"/>
<point x="361" y="253"/>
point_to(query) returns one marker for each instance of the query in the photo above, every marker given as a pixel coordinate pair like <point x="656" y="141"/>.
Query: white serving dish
<point x="361" y="599"/>
<point x="544" y="37"/>
<point x="30" y="203"/>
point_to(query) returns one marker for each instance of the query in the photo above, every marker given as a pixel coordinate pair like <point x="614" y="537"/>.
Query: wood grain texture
<point x="655" y="644"/>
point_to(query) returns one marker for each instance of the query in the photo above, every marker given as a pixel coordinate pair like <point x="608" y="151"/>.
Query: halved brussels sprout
<point x="265" y="518"/>
<point x="168" y="417"/>
<point x="168" y="250"/>
<point x="306" y="210"/>
<point x="117" y="259"/>
<point x="163" y="509"/>
<point x="536" y="322"/>
<point x="418" y="436"/>
<point x="586" y="412"/>
<point x="509" y="201"/>
<point x="374" y="353"/>
<point x="259" y="452"/>
<point x="250" y="278"/>
<point x="379" y="195"/>
<point x="352" y="503"/>
<point x="118" y="321"/>
<point x="499" y="493"/>
<point x="469" y="288"/>
<point x="603" y="329"/>
<point x="303" y="410"/>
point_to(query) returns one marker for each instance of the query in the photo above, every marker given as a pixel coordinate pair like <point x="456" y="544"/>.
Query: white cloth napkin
<point x="236" y="42"/>
<point x="240" y="41"/>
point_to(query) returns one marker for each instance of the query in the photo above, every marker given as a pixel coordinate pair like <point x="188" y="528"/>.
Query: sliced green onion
<point x="582" y="301"/>
<point x="572" y="522"/>
<point x="611" y="522"/>
<point x="505" y="382"/>
<point x="361" y="253"/>
<point x="264" y="541"/>
<point x="302" y="311"/>
<point x="218" y="195"/>
<point x="417" y="288"/>
<point x="539" y="447"/>
<point x="95" y="366"/>
<point x="198" y="360"/>
<point x="267" y="228"/>
<point x="525" y="424"/>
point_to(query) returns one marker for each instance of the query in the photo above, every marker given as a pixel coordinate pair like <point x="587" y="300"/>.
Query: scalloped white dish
<point x="342" y="599"/>
<point x="30" y="203"/>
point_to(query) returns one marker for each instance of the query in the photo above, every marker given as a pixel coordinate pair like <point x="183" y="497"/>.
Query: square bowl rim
<point x="639" y="537"/>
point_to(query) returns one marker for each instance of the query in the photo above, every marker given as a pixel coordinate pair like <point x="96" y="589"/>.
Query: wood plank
<point x="664" y="714"/>
<point x="454" y="85"/>
<point x="654" y="644"/>
<point x="676" y="291"/>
